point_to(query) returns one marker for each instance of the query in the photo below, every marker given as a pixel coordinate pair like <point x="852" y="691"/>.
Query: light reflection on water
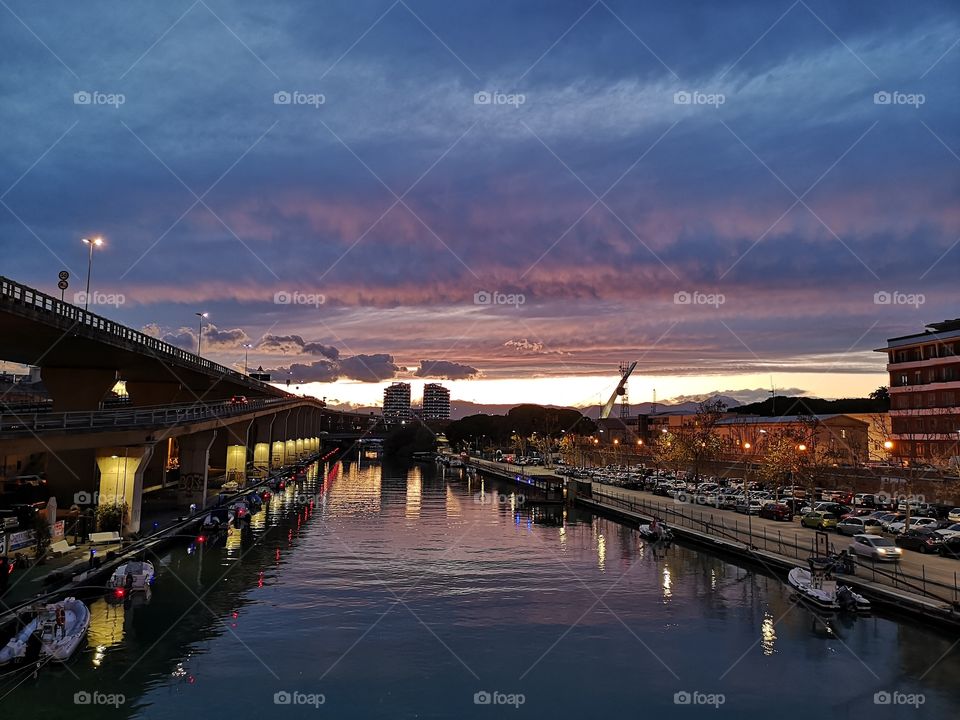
<point x="396" y="587"/>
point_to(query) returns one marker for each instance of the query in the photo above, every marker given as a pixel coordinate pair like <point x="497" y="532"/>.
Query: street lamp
<point x="90" y="243"/>
<point x="200" y="315"/>
<point x="246" y="354"/>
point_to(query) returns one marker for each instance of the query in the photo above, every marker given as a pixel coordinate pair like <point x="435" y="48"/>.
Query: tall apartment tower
<point x="396" y="401"/>
<point x="436" y="402"/>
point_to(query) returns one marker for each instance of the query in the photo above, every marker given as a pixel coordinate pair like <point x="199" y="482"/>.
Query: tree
<point x="882" y="394"/>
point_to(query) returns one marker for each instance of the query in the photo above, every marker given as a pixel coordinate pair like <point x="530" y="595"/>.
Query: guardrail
<point x="16" y="296"/>
<point x="758" y="538"/>
<point x="129" y="418"/>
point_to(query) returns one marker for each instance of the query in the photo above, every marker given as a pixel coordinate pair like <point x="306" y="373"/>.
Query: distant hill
<point x="461" y="408"/>
<point x="811" y="406"/>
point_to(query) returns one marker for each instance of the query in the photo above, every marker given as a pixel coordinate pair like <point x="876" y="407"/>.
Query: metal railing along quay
<point x="160" y="416"/>
<point x="753" y="536"/>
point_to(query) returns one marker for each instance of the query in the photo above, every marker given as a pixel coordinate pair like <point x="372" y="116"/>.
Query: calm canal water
<point x="400" y="595"/>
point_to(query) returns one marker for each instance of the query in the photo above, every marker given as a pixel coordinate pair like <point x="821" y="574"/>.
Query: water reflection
<point x="768" y="634"/>
<point x="667" y="585"/>
<point x="601" y="552"/>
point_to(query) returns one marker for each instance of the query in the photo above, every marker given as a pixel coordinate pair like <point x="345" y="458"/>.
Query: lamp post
<point x="90" y="243"/>
<point x="246" y="355"/>
<point x="200" y="315"/>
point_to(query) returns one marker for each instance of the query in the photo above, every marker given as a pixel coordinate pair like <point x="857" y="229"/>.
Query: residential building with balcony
<point x="396" y="401"/>
<point x="925" y="394"/>
<point x="436" y="402"/>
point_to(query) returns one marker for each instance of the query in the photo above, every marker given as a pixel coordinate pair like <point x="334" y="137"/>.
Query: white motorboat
<point x="655" y="531"/>
<point x="819" y="587"/>
<point x="132" y="575"/>
<point x="59" y="629"/>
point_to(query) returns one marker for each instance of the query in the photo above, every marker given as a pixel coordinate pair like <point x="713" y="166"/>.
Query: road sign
<point x="64" y="275"/>
<point x="63" y="284"/>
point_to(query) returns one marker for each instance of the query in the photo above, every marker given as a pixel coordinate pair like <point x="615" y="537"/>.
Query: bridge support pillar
<point x="277" y="454"/>
<point x="230" y="448"/>
<point x="195" y="467"/>
<point x="121" y="481"/>
<point x="261" y="455"/>
<point x="77" y="388"/>
<point x="290" y="451"/>
<point x="299" y="446"/>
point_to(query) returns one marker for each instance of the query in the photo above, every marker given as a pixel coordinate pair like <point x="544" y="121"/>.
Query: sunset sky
<point x="726" y="192"/>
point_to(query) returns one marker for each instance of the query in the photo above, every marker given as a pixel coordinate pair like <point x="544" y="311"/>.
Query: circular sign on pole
<point x="63" y="284"/>
<point x="64" y="275"/>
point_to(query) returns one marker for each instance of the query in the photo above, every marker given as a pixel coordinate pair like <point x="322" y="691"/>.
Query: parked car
<point x="891" y="518"/>
<point x="230" y="486"/>
<point x="777" y="511"/>
<point x="921" y="540"/>
<point x="915" y="522"/>
<point x="819" y="520"/>
<point x="875" y="548"/>
<point x="954" y="515"/>
<point x="748" y="507"/>
<point x="950" y="547"/>
<point x="859" y="526"/>
<point x="949" y="531"/>
<point x="865" y="500"/>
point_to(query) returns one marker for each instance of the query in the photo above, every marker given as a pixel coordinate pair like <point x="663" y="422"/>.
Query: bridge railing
<point x="14" y="294"/>
<point x="129" y="418"/>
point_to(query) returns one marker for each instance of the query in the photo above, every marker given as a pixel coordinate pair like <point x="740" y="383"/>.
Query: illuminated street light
<point x="746" y="446"/>
<point x="801" y="447"/>
<point x="888" y="445"/>
<point x="90" y="243"/>
<point x="246" y="354"/>
<point x="200" y="315"/>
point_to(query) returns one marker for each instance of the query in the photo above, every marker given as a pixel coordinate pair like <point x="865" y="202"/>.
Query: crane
<point x="621" y="390"/>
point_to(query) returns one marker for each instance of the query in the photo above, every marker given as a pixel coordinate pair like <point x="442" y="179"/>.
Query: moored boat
<point x="132" y="575"/>
<point x="57" y="629"/>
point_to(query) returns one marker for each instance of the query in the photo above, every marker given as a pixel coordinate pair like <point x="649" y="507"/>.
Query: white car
<point x="875" y="548"/>
<point x="859" y="526"/>
<point x="954" y="515"/>
<point x="230" y="486"/>
<point x="920" y="522"/>
<point x="949" y="531"/>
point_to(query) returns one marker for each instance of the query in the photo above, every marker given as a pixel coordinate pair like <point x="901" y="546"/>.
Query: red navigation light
<point x="119" y="592"/>
<point x="201" y="539"/>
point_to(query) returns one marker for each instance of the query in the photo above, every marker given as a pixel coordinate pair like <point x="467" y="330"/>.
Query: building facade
<point x="925" y="394"/>
<point x="436" y="402"/>
<point x="396" y="401"/>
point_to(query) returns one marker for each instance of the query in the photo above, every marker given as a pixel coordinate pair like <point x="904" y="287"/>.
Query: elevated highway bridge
<point x="185" y="413"/>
